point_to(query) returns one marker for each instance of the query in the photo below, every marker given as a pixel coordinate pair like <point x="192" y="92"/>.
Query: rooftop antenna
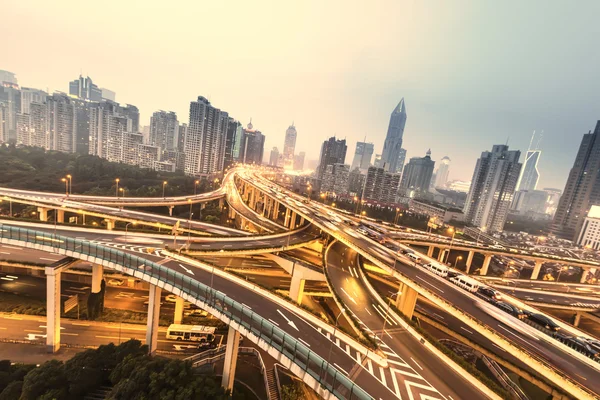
<point x="531" y="141"/>
<point x="507" y="138"/>
<point x="537" y="145"/>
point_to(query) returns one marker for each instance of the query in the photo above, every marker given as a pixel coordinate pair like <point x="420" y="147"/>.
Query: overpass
<point x="574" y="374"/>
<point x="302" y="359"/>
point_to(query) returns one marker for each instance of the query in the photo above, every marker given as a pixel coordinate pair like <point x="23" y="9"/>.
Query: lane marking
<point x="303" y="341"/>
<point x="417" y="363"/>
<point x="433" y="286"/>
<point x="466" y="330"/>
<point x="273" y="322"/>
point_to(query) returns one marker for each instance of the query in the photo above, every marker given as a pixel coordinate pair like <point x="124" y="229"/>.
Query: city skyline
<point x="517" y="101"/>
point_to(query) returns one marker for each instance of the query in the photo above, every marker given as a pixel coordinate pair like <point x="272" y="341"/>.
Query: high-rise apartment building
<point x="8" y="77"/>
<point x="233" y="141"/>
<point x="356" y="181"/>
<point x="181" y="137"/>
<point x="289" y="146"/>
<point x="205" y="138"/>
<point x="362" y="156"/>
<point x="252" y="147"/>
<point x="333" y="151"/>
<point x="401" y="161"/>
<point x="108" y="94"/>
<point x="553" y="200"/>
<point x="416" y="177"/>
<point x="393" y="139"/>
<point x="299" y="161"/>
<point x="84" y="88"/>
<point x="274" y="157"/>
<point x="582" y="190"/>
<point x="112" y="132"/>
<point x="442" y="172"/>
<point x="492" y="188"/>
<point x="10" y="96"/>
<point x="381" y="185"/>
<point x="30" y="95"/>
<point x="164" y="129"/>
<point x="335" y="179"/>
<point x="3" y="123"/>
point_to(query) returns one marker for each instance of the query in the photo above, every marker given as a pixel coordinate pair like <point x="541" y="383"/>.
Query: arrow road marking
<point x="292" y="324"/>
<point x="189" y="271"/>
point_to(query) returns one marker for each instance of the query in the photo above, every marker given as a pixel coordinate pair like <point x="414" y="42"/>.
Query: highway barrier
<point x="323" y="377"/>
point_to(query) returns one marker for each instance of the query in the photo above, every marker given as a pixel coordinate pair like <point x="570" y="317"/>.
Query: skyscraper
<point x="233" y="141"/>
<point x="299" y="161"/>
<point x="84" y="88"/>
<point x="381" y="185"/>
<point x="205" y="139"/>
<point x="30" y="95"/>
<point x="417" y="174"/>
<point x="492" y="188"/>
<point x="10" y="96"/>
<point x="335" y="179"/>
<point x="333" y="151"/>
<point x="362" y="156"/>
<point x="441" y="174"/>
<point x="289" y="146"/>
<point x="582" y="189"/>
<point x="164" y="128"/>
<point x="393" y="139"/>
<point x="274" y="157"/>
<point x="252" y="147"/>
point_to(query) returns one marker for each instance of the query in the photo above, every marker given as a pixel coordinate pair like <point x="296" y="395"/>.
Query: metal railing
<point x="310" y="362"/>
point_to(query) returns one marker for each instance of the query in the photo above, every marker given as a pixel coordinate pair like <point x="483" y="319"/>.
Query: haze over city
<point x="472" y="73"/>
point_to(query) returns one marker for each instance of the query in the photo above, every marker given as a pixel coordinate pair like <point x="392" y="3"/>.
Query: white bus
<point x="466" y="283"/>
<point x="415" y="257"/>
<point x="194" y="333"/>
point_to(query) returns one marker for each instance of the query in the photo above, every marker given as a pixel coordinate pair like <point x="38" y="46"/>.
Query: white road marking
<point x="466" y="330"/>
<point x="433" y="286"/>
<point x="417" y="364"/>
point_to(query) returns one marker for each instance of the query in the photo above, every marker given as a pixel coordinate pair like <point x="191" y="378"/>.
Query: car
<point x="490" y="293"/>
<point x="207" y="345"/>
<point x="196" y="312"/>
<point x="510" y="309"/>
<point x="452" y="274"/>
<point x="544" y="321"/>
<point x="116" y="282"/>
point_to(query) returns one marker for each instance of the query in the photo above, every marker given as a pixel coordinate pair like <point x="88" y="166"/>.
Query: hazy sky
<point x="473" y="73"/>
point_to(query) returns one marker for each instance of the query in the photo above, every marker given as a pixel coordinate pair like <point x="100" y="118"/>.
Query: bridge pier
<point x="275" y="212"/>
<point x="52" y="309"/>
<point x="153" y="317"/>
<point x="577" y="319"/>
<point x="170" y="211"/>
<point x="178" y="316"/>
<point x="231" y="355"/>
<point x="221" y="203"/>
<point x="442" y="255"/>
<point x="43" y="213"/>
<point x="406" y="300"/>
<point x="97" y="277"/>
<point x="486" y="264"/>
<point x="469" y="260"/>
<point x="536" y="270"/>
<point x="287" y="217"/>
<point x="297" y="286"/>
<point x="430" y="250"/>
<point x="293" y="220"/>
<point x="585" y="274"/>
<point x="60" y="216"/>
<point x="110" y="224"/>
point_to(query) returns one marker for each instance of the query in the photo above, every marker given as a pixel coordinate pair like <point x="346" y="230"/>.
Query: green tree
<point x="48" y="378"/>
<point x="291" y="392"/>
<point x="12" y="391"/>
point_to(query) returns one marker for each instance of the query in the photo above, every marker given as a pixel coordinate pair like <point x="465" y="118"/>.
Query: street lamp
<point x="66" y="186"/>
<point x="364" y="213"/>
<point x="164" y="184"/>
<point x="196" y="182"/>
<point x="333" y="336"/>
<point x="561" y="271"/>
<point x="190" y="226"/>
<point x="70" y="178"/>
<point x="451" y="229"/>
<point x="130" y="223"/>
<point x="398" y="214"/>
<point x="117" y="190"/>
<point x="122" y="190"/>
<point x="456" y="260"/>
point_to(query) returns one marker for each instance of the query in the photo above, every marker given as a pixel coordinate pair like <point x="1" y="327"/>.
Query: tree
<point x="291" y="392"/>
<point x="48" y="378"/>
<point x="12" y="391"/>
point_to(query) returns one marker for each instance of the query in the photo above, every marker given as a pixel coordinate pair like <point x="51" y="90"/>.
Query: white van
<point x="438" y="269"/>
<point x="415" y="257"/>
<point x="466" y="283"/>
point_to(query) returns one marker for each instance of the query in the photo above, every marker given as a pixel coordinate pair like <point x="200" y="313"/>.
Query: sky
<point x="472" y="73"/>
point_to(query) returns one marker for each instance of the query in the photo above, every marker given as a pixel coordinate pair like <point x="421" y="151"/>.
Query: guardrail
<point x="258" y="329"/>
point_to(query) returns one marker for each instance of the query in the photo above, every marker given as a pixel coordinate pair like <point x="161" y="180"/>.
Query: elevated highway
<point x="574" y="375"/>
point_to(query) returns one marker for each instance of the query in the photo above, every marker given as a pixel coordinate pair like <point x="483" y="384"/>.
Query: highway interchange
<point x="411" y="357"/>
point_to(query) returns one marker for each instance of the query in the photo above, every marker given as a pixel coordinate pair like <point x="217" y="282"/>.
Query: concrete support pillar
<point x="442" y="255"/>
<point x="293" y="220"/>
<point x="577" y="319"/>
<point x="486" y="264"/>
<point x="60" y="216"/>
<point x="287" y="217"/>
<point x="221" y="204"/>
<point x="153" y="317"/>
<point x="275" y="212"/>
<point x="231" y="354"/>
<point x="110" y="224"/>
<point x="97" y="276"/>
<point x="178" y="317"/>
<point x="43" y="213"/>
<point x="586" y="272"/>
<point x="170" y="211"/>
<point x="297" y="287"/>
<point x="406" y="300"/>
<point x="470" y="260"/>
<point x="52" y="310"/>
<point x="536" y="270"/>
<point x="231" y="214"/>
<point x="430" y="251"/>
<point x="301" y="221"/>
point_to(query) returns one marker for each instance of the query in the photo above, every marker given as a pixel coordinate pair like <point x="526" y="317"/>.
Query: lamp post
<point x="333" y="336"/>
<point x="122" y="190"/>
<point x="356" y="202"/>
<point x="196" y="182"/>
<point x="456" y="260"/>
<point x="130" y="223"/>
<point x="117" y="190"/>
<point x="190" y="227"/>
<point x="561" y="271"/>
<point x="66" y="186"/>
<point x="164" y="185"/>
<point x="70" y="178"/>
<point x="387" y="314"/>
<point x="451" y="229"/>
<point x="398" y="214"/>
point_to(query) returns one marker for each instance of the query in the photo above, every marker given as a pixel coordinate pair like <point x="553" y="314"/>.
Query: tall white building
<point x="530" y="174"/>
<point x="30" y="95"/>
<point x="205" y="138"/>
<point x="362" y="156"/>
<point x="289" y="146"/>
<point x="441" y="175"/>
<point x="492" y="188"/>
<point x="164" y="128"/>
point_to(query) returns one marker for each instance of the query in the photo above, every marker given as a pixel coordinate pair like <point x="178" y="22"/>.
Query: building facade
<point x="299" y="161"/>
<point x="492" y="188"/>
<point x="274" y="157"/>
<point x="333" y="151"/>
<point x="393" y="138"/>
<point x="438" y="211"/>
<point x="164" y="129"/>
<point x="335" y="179"/>
<point x="381" y="185"/>
<point x="362" y="156"/>
<point x="417" y="174"/>
<point x="84" y="88"/>
<point x="589" y="236"/>
<point x="289" y="146"/>
<point x="442" y="172"/>
<point x="530" y="175"/>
